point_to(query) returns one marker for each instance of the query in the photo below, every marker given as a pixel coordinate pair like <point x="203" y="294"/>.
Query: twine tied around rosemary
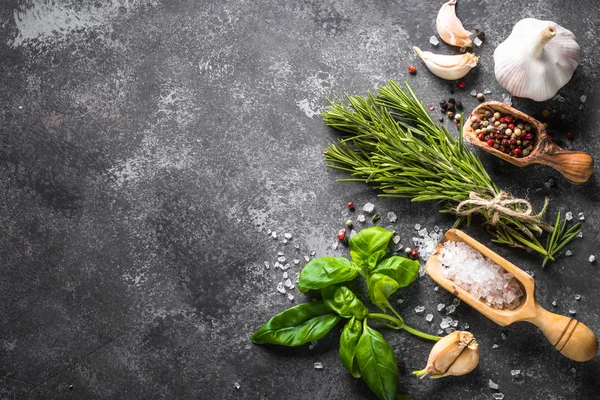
<point x="498" y="206"/>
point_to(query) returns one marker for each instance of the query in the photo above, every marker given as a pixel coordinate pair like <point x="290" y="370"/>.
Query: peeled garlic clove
<point x="448" y="67"/>
<point x="454" y="354"/>
<point x="537" y="59"/>
<point x="450" y="28"/>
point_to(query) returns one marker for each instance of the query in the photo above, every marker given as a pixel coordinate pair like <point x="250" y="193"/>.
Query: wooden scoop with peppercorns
<point x="522" y="140"/>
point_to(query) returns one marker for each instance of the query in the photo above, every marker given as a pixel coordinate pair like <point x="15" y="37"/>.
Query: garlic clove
<point x="537" y="59"/>
<point x="448" y="67"/>
<point x="453" y="355"/>
<point x="450" y="28"/>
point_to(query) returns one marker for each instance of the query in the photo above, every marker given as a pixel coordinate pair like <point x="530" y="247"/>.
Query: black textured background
<point x="146" y="148"/>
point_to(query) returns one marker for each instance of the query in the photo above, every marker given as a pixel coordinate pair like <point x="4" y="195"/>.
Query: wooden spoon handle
<point x="573" y="339"/>
<point x="575" y="166"/>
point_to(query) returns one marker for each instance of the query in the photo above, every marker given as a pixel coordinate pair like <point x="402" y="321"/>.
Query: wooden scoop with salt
<point x="569" y="336"/>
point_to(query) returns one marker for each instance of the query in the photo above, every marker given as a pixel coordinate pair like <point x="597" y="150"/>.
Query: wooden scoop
<point x="572" y="338"/>
<point x="575" y="166"/>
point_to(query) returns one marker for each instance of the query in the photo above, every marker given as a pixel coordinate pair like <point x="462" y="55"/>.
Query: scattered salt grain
<point x="569" y="216"/>
<point x="503" y="335"/>
<point x="288" y="283"/>
<point x="281" y="259"/>
<point x="592" y="258"/>
<point x="481" y="277"/>
<point x="568" y="253"/>
<point x="306" y="258"/>
<point x="296" y="261"/>
<point x="465" y="327"/>
<point x="495" y="346"/>
<point x="531" y="273"/>
<point x="583" y="98"/>
<point x="580" y="235"/>
<point x="498" y="396"/>
<point x="396" y="239"/>
<point x="280" y="288"/>
<point x="284" y="241"/>
<point x="392" y="217"/>
<point x="487" y="91"/>
<point x="361" y="218"/>
<point x="440" y="331"/>
<point x="285" y="275"/>
<point x="417" y="227"/>
<point x="435" y="289"/>
<point x="237" y="386"/>
<point x="297" y="246"/>
<point x="280" y="253"/>
<point x="440" y="306"/>
<point x="318" y="365"/>
<point x="507" y="99"/>
<point x="473" y="93"/>
<point x="477" y="42"/>
<point x="493" y="385"/>
<point x="312" y="253"/>
<point x="369" y="208"/>
<point x="449" y="330"/>
<point x="419" y="309"/>
<point x="268" y="231"/>
<point x="554" y="303"/>
<point x="580" y="107"/>
<point x="515" y="372"/>
<point x="577" y="297"/>
<point x="581" y="216"/>
<point x="561" y="99"/>
<point x="573" y="370"/>
<point x="572" y="311"/>
<point x="290" y="297"/>
<point x="267" y="265"/>
<point x="429" y="317"/>
<point x="287" y="235"/>
<point x="446" y="321"/>
<point x="434" y="40"/>
<point x="400" y="301"/>
<point x="451" y="308"/>
<point x="274" y="235"/>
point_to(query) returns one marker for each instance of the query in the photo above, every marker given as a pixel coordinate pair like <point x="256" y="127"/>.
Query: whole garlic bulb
<point x="537" y="59"/>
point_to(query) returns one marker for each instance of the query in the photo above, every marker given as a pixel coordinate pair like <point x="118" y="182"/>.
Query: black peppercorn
<point x="459" y="105"/>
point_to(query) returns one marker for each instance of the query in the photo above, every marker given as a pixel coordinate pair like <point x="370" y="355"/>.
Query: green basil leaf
<point x="297" y="325"/>
<point x="348" y="342"/>
<point x="321" y="272"/>
<point x="402" y="270"/>
<point x="344" y="302"/>
<point x="380" y="289"/>
<point x="367" y="243"/>
<point x="377" y="363"/>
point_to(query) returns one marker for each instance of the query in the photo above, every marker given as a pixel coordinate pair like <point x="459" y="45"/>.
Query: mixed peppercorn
<point x="504" y="133"/>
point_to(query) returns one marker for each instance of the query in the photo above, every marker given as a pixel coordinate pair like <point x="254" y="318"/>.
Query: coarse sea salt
<point x="481" y="277"/>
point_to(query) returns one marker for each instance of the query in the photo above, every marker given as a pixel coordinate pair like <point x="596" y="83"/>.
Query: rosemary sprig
<point x="391" y="141"/>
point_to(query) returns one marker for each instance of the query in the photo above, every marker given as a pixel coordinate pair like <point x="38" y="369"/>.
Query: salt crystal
<point x="396" y="239"/>
<point x="440" y="331"/>
<point x="492" y="385"/>
<point x="419" y="309"/>
<point x="306" y="258"/>
<point x="477" y="42"/>
<point x="267" y="265"/>
<point x="456" y="302"/>
<point x="569" y="216"/>
<point x="290" y="297"/>
<point x="554" y="303"/>
<point x="284" y="267"/>
<point x="454" y="323"/>
<point x="592" y="258"/>
<point x="487" y="91"/>
<point x="440" y="306"/>
<point x="285" y="275"/>
<point x="495" y="346"/>
<point x="580" y="107"/>
<point x="446" y="322"/>
<point x="296" y="261"/>
<point x="392" y="217"/>
<point x="531" y="273"/>
<point x="237" y="386"/>
<point x="287" y="235"/>
<point x="361" y="218"/>
<point x="583" y="98"/>
<point x="507" y="99"/>
<point x="498" y="396"/>
<point x="281" y="259"/>
<point x="429" y="317"/>
<point x="268" y="231"/>
<point x="580" y="235"/>
<point x="503" y="335"/>
<point x="318" y="365"/>
<point x="297" y="246"/>
<point x="581" y="216"/>
<point x="451" y="308"/>
<point x="417" y="227"/>
<point x="577" y="297"/>
<point x="280" y="288"/>
<point x="422" y="232"/>
<point x="473" y="93"/>
<point x="288" y="283"/>
<point x="573" y="370"/>
<point x="369" y="208"/>
<point x="435" y="289"/>
<point x="465" y="327"/>
<point x="434" y="40"/>
<point x="400" y="301"/>
<point x="284" y="241"/>
<point x="561" y="99"/>
<point x="572" y="311"/>
<point x="515" y="372"/>
<point x="274" y="235"/>
<point x="312" y="253"/>
<point x="450" y="330"/>
<point x="568" y="253"/>
<point x="280" y="253"/>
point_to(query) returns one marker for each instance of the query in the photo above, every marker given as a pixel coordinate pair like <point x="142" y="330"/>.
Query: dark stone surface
<point x="146" y="148"/>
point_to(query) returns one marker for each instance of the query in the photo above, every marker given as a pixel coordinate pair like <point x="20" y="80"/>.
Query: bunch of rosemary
<point x="392" y="142"/>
